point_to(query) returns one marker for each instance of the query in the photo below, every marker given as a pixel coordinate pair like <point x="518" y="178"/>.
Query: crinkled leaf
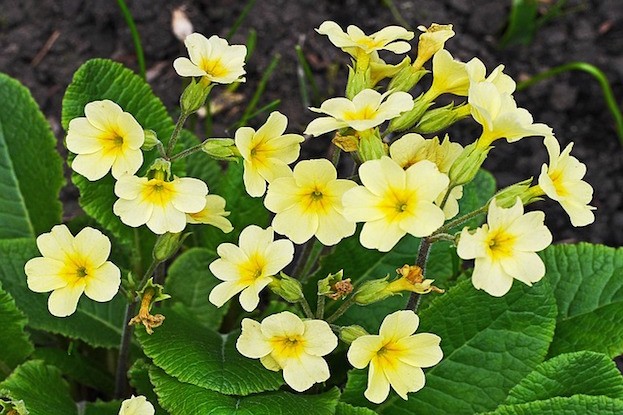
<point x="139" y="379"/>
<point x="574" y="405"/>
<point x="101" y="408"/>
<point x="346" y="409"/>
<point x="16" y="346"/>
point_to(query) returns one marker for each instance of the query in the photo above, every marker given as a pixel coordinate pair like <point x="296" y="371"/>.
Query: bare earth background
<point x="572" y="103"/>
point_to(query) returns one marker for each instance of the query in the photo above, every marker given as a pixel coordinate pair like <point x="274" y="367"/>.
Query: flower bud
<point x="349" y="334"/>
<point x="194" y="96"/>
<point x="221" y="149"/>
<point x="373" y="291"/>
<point x="431" y="41"/>
<point x="287" y="288"/>
<point x="151" y="140"/>
<point x="357" y="82"/>
<point x="408" y="119"/>
<point x="507" y="197"/>
<point x="160" y="169"/>
<point x="371" y="145"/>
<point x="406" y="79"/>
<point x="467" y="164"/>
<point x="439" y="119"/>
<point x="167" y="245"/>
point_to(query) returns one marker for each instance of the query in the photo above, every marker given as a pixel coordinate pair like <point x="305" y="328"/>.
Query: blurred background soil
<point x="42" y="43"/>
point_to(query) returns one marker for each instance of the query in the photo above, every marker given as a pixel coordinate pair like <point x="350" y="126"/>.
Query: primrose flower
<point x="284" y="341"/>
<point x="71" y="266"/>
<point x="212" y="214"/>
<point x="477" y="71"/>
<point x="106" y="139"/>
<point x="309" y="202"/>
<point x="137" y="405"/>
<point x="431" y="41"/>
<point x="395" y="356"/>
<point x="355" y="41"/>
<point x="411" y="148"/>
<point x="213" y="58"/>
<point x="367" y="110"/>
<point x="267" y="152"/>
<point x="161" y="205"/>
<point x="562" y="181"/>
<point x="449" y="76"/>
<point x="249" y="267"/>
<point x="393" y="202"/>
<point x="505" y="248"/>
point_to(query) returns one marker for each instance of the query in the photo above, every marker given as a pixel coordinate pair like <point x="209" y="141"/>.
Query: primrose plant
<point x="191" y="228"/>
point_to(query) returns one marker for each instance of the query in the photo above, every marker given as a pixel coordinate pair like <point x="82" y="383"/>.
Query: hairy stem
<point x="176" y="133"/>
<point x="343" y="308"/>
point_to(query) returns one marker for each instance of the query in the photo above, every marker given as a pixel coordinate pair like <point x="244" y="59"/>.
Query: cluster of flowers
<point x="409" y="186"/>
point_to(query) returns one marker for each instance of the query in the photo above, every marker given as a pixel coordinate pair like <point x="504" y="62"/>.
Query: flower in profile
<point x="137" y="405"/>
<point x="393" y="202"/>
<point x="449" y="76"/>
<point x="396" y="356"/>
<point x="309" y="202"/>
<point x="367" y="110"/>
<point x="106" y="139"/>
<point x="212" y="214"/>
<point x="431" y="41"/>
<point x="505" y="248"/>
<point x="71" y="266"/>
<point x="267" y="152"/>
<point x="213" y="58"/>
<point x="248" y="268"/>
<point x="562" y="182"/>
<point x="411" y="148"/>
<point x="477" y="72"/>
<point x="284" y="341"/>
<point x="161" y="205"/>
<point x="355" y="41"/>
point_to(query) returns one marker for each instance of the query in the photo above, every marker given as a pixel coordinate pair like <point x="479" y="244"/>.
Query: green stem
<point x="121" y="378"/>
<point x="597" y="73"/>
<point x="453" y="224"/>
<point x="187" y="152"/>
<point x="241" y="17"/>
<point x="312" y="259"/>
<point x="136" y="38"/>
<point x="306" y="308"/>
<point x="320" y="307"/>
<point x="341" y="310"/>
<point x="176" y="132"/>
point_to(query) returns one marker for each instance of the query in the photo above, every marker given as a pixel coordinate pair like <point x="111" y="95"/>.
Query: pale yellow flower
<point x="137" y="405"/>
<point x="562" y="181"/>
<point x="71" y="266"/>
<point x="367" y="110"/>
<point x="477" y="72"/>
<point x="212" y="214"/>
<point x="267" y="152"/>
<point x="213" y="58"/>
<point x="505" y="248"/>
<point x="284" y="341"/>
<point x="431" y="41"/>
<point x="106" y="139"/>
<point x="393" y="202"/>
<point x="161" y="205"/>
<point x="449" y="76"/>
<point x="249" y="267"/>
<point x="354" y="40"/>
<point x="411" y="148"/>
<point x="309" y="203"/>
<point x="396" y="356"/>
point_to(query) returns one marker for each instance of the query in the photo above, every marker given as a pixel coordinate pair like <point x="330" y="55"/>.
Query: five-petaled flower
<point x="393" y="202"/>
<point x="396" y="356"/>
<point x="160" y="204"/>
<point x="137" y="405"/>
<point x="106" y="139"/>
<point x="284" y="341"/>
<point x="71" y="266"/>
<point x="562" y="181"/>
<point x="212" y="214"/>
<point x="249" y="267"/>
<point x="367" y="110"/>
<point x="505" y="248"/>
<point x="309" y="202"/>
<point x="267" y="152"/>
<point x="213" y="59"/>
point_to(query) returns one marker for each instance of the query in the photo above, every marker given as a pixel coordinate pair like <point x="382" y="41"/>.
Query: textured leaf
<point x="581" y="373"/>
<point x="574" y="405"/>
<point x="16" y="345"/>
<point x="98" y="324"/>
<point x="31" y="172"/>
<point x="346" y="409"/>
<point x="139" y="379"/>
<point x="42" y="389"/>
<point x="184" y="399"/>
<point x="588" y="284"/>
<point x="189" y="282"/>
<point x="205" y="358"/>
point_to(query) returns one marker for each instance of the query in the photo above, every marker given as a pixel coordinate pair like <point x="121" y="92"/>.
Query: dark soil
<point x="571" y="103"/>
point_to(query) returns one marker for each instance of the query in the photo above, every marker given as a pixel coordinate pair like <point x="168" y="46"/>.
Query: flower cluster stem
<point x="341" y="310"/>
<point x="187" y="152"/>
<point x="176" y="132"/>
<point x="306" y="308"/>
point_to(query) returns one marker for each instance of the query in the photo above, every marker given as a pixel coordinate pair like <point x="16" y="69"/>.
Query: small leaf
<point x="16" y="345"/>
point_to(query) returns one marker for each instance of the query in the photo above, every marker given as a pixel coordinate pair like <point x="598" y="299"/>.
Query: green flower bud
<point x="439" y="119"/>
<point x="349" y="334"/>
<point x="160" y="169"/>
<point x="221" y="149"/>
<point x="287" y="288"/>
<point x="406" y="79"/>
<point x="194" y="96"/>
<point x="507" y="197"/>
<point x="151" y="140"/>
<point x="357" y="82"/>
<point x="167" y="245"/>
<point x="373" y="291"/>
<point x="467" y="164"/>
<point x="371" y="145"/>
<point x="408" y="119"/>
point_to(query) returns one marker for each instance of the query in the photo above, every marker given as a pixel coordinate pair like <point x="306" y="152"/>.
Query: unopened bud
<point x="439" y="119"/>
<point x="408" y="119"/>
<point x="221" y="149"/>
<point x="372" y="291"/>
<point x="507" y="197"/>
<point x="151" y="140"/>
<point x="287" y="288"/>
<point x="467" y="164"/>
<point x="371" y="145"/>
<point x="349" y="334"/>
<point x="168" y="244"/>
<point x="194" y="96"/>
<point x="160" y="169"/>
<point x="357" y="82"/>
<point x="406" y="79"/>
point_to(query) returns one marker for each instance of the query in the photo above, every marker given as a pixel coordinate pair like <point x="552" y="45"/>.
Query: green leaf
<point x="522" y="23"/>
<point x="205" y="358"/>
<point x="184" y="399"/>
<point x="139" y="379"/>
<point x="98" y="324"/>
<point x="574" y="405"/>
<point x="475" y="194"/>
<point x="586" y="280"/>
<point x="346" y="409"/>
<point x="31" y="170"/>
<point x="189" y="282"/>
<point x="489" y="344"/>
<point x="585" y="373"/>
<point x="102" y="408"/>
<point x="42" y="389"/>
<point x="16" y="345"/>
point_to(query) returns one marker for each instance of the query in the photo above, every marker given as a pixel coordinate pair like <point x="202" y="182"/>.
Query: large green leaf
<point x="31" y="172"/>
<point x="580" y="373"/>
<point x="98" y="324"/>
<point x="139" y="379"/>
<point x="184" y="399"/>
<point x="16" y="345"/>
<point x="346" y="409"/>
<point x="205" y="358"/>
<point x="102" y="408"/>
<point x="588" y="284"/>
<point x="489" y="345"/>
<point x="42" y="389"/>
<point x="574" y="405"/>
<point x="189" y="282"/>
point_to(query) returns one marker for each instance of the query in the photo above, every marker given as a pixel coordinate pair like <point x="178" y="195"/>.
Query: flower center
<point x="81" y="272"/>
<point x="316" y="195"/>
<point x="500" y="244"/>
<point x="289" y="346"/>
<point x="213" y="67"/>
<point x="158" y="192"/>
<point x="365" y="113"/>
